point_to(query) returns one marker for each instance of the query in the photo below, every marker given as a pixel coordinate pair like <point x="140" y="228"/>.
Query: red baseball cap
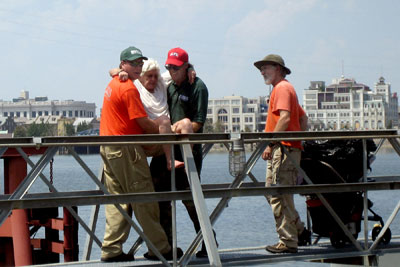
<point x="177" y="56"/>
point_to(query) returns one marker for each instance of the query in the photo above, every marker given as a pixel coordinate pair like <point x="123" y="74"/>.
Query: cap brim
<point x="174" y="61"/>
<point x="137" y="57"/>
<point x="261" y="63"/>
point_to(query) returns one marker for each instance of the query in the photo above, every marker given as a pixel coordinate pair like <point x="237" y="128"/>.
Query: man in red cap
<point x="284" y="114"/>
<point x="186" y="101"/>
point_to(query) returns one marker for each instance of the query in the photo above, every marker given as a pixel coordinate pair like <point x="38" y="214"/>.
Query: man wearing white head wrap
<point x="152" y="88"/>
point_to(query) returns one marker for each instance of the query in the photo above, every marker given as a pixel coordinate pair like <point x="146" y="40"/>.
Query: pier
<point x="16" y="204"/>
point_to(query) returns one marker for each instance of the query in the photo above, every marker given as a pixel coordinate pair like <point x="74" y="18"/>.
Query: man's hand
<point x="267" y="154"/>
<point x="123" y="76"/>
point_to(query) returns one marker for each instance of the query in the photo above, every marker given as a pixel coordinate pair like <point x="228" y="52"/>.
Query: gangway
<point x="363" y="248"/>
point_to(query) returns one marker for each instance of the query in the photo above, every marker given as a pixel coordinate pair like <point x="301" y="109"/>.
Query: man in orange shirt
<point x="125" y="166"/>
<point x="284" y="114"/>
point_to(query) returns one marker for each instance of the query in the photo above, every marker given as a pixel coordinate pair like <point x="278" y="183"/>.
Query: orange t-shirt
<point x="121" y="106"/>
<point x="283" y="97"/>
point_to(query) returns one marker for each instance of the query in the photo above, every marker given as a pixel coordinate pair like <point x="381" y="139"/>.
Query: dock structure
<point x="16" y="205"/>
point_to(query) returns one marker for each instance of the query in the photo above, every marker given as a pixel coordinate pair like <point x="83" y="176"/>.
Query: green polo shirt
<point x="188" y="101"/>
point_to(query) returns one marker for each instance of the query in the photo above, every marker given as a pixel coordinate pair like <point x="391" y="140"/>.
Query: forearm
<point x="148" y="126"/>
<point x="114" y="72"/>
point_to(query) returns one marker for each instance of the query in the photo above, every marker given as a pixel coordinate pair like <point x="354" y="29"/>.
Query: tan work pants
<point x="281" y="171"/>
<point x="126" y="171"/>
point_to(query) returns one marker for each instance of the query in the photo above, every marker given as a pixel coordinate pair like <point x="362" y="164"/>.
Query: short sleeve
<point x="282" y="99"/>
<point x="134" y="105"/>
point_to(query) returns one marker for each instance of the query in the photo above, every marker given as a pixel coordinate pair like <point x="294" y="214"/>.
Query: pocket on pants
<point x="113" y="152"/>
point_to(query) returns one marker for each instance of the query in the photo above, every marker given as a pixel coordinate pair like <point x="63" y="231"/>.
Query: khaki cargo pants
<point x="281" y="171"/>
<point x="126" y="171"/>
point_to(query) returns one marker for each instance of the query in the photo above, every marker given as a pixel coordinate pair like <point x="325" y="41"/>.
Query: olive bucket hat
<point x="272" y="59"/>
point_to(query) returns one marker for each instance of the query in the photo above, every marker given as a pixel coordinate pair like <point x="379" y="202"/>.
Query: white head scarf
<point x="154" y="103"/>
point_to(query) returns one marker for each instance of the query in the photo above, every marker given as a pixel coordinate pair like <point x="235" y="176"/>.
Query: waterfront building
<point x="238" y="113"/>
<point x="346" y="104"/>
<point x="24" y="107"/>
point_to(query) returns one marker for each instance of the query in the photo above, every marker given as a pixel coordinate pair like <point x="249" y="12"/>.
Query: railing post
<point x="15" y="171"/>
<point x="365" y="158"/>
<point x="200" y="205"/>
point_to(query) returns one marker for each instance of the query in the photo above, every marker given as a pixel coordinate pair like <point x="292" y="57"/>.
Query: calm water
<point x="247" y="221"/>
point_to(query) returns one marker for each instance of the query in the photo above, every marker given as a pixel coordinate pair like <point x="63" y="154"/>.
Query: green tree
<point x="83" y="126"/>
<point x="219" y="127"/>
<point x="69" y="129"/>
<point x="208" y="127"/>
<point x="39" y="129"/>
<point x="20" y="131"/>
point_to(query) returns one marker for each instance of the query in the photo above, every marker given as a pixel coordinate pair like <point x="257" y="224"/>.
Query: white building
<point x="238" y="114"/>
<point x="346" y="104"/>
<point x="23" y="107"/>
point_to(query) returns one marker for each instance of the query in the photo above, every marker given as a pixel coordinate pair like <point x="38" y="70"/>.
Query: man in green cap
<point x="284" y="114"/>
<point x="125" y="166"/>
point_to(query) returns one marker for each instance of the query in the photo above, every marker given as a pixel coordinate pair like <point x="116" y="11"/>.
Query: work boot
<point x="203" y="252"/>
<point x="280" y="248"/>
<point x="119" y="258"/>
<point x="304" y="238"/>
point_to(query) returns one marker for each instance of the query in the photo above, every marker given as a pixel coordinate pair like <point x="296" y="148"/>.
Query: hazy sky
<point x="63" y="49"/>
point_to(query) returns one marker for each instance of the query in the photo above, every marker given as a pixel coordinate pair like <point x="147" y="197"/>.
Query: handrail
<point x="193" y="138"/>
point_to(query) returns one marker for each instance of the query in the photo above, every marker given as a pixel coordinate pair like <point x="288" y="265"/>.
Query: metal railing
<point x="20" y="199"/>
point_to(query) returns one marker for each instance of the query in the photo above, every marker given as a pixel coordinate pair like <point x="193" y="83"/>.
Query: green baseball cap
<point x="131" y="53"/>
<point x="272" y="59"/>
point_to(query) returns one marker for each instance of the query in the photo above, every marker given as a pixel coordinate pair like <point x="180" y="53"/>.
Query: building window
<point x="76" y="113"/>
<point x="209" y="111"/>
<point x="11" y="114"/>
<point x="223" y="118"/>
<point x="40" y="113"/>
<point x="5" y="114"/>
<point x="81" y="113"/>
<point x="33" y="114"/>
<point x="46" y="113"/>
<point x="64" y="113"/>
<point x="25" y="114"/>
<point x="235" y="110"/>
<point x="18" y="114"/>
<point x="250" y="110"/>
<point x="222" y="111"/>
<point x="235" y="120"/>
<point x="57" y="113"/>
<point x="70" y="113"/>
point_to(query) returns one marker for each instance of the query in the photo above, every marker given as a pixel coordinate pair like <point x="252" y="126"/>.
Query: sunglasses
<point x="135" y="63"/>
<point x="172" y="67"/>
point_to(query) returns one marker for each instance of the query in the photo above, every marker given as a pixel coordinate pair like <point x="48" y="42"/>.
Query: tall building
<point x="238" y="113"/>
<point x="24" y="107"/>
<point x="346" y="104"/>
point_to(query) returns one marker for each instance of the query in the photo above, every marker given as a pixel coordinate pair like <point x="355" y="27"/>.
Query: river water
<point x="247" y="221"/>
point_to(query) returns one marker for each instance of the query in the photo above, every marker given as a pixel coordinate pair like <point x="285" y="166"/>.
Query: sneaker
<point x="304" y="238"/>
<point x="119" y="258"/>
<point x="168" y="256"/>
<point x="280" y="248"/>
